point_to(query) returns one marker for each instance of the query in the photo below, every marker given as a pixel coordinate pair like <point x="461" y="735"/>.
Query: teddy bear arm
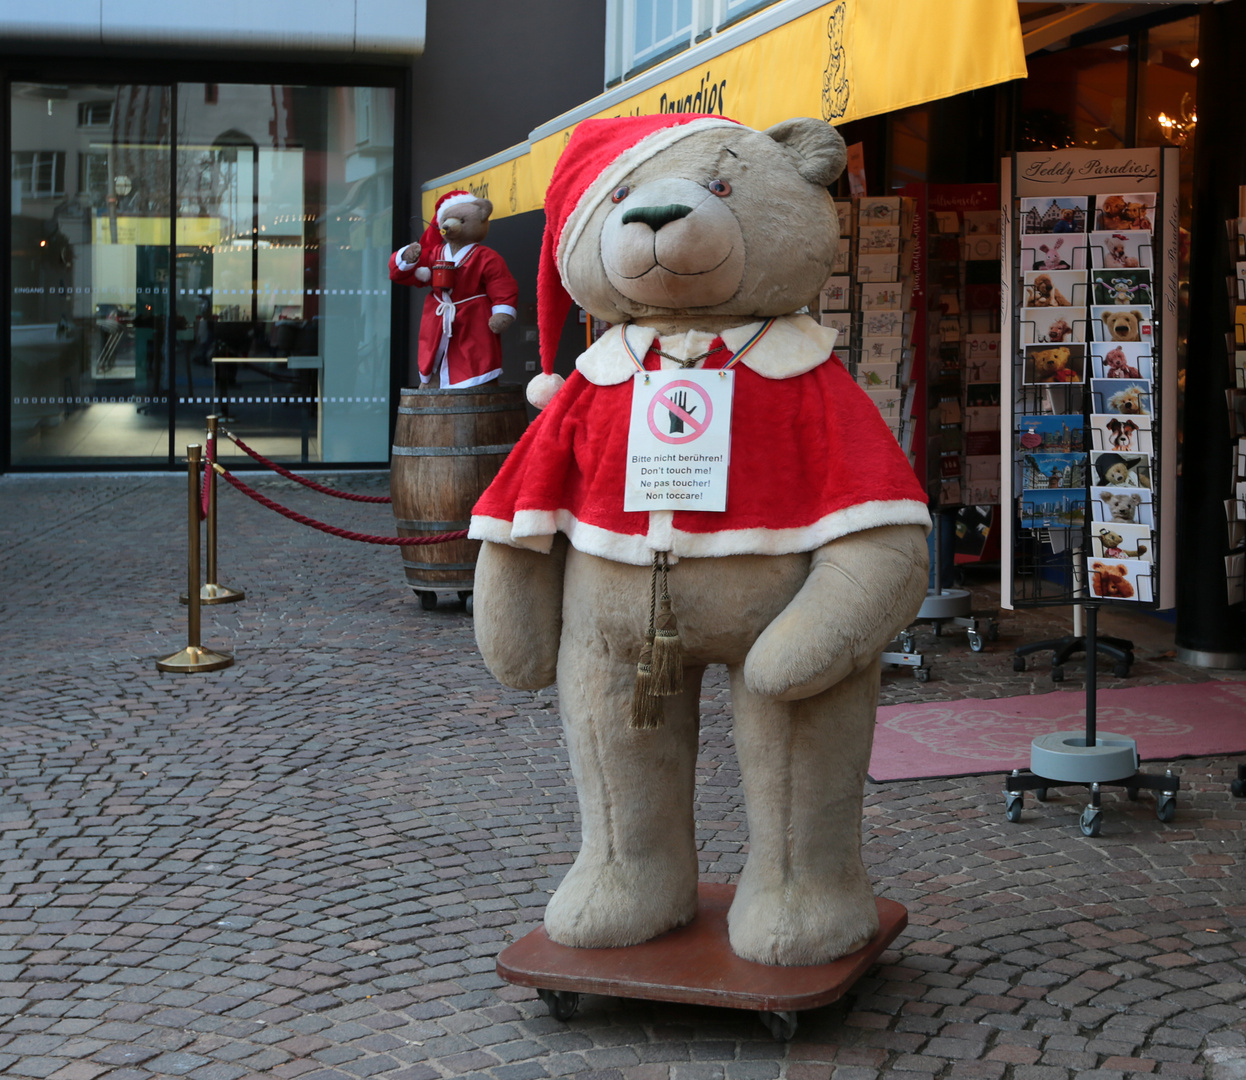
<point x="861" y="591"/>
<point x="517" y="607"/>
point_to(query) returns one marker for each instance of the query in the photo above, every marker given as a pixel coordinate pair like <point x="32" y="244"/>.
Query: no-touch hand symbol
<point x="683" y="425"/>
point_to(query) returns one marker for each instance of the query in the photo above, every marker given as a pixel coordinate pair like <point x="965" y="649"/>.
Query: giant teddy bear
<point x="461" y="322"/>
<point x="698" y="239"/>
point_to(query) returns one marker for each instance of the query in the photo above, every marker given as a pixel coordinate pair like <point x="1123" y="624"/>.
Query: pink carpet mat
<point x="964" y="738"/>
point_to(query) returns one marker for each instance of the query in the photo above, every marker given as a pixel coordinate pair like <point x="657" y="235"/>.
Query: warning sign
<point x="679" y="441"/>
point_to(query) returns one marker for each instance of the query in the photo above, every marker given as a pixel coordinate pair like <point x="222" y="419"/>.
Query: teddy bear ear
<point x="815" y="148"/>
<point x="486" y="209"/>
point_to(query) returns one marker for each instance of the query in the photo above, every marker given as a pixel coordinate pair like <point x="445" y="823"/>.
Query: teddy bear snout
<point x="657" y="216"/>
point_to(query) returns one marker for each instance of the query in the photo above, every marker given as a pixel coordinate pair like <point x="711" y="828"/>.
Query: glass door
<point x="260" y="216"/>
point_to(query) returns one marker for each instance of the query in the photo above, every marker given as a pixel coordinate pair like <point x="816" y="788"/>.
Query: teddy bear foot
<point x="615" y="904"/>
<point x="800" y="923"/>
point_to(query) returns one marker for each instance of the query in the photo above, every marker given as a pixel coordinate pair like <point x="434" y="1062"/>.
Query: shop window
<point x="1077" y="97"/>
<point x="641" y="33"/>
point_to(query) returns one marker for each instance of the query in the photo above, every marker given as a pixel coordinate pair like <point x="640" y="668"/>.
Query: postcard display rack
<point x="868" y="299"/>
<point x="1235" y="504"/>
<point x="1089" y="385"/>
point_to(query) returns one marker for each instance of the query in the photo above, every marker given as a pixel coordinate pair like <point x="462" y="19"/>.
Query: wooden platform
<point x="695" y="964"/>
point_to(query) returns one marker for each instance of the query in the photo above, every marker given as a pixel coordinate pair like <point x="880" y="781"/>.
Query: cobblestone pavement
<point x="306" y="864"/>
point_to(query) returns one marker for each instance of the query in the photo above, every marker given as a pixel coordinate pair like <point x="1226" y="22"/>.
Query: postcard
<point x="879" y="349"/>
<point x="1121" y="213"/>
<point x="884" y="296"/>
<point x="1044" y="471"/>
<point x="1121" y="540"/>
<point x="980" y="395"/>
<point x="1125" y="434"/>
<point x="1111" y="468"/>
<point x="1053" y="509"/>
<point x="1122" y="288"/>
<point x="882" y="324"/>
<point x="1121" y="250"/>
<point x="1126" y="507"/>
<point x="1126" y="360"/>
<point x="1052" y="324"/>
<point x="982" y="357"/>
<point x="837" y="293"/>
<point x="1122" y="579"/>
<point x="887" y="399"/>
<point x="878" y="267"/>
<point x="879" y="211"/>
<point x="1052" y="253"/>
<point x="982" y="469"/>
<point x="1060" y="364"/>
<point x="1121" y="324"/>
<point x="843" y="256"/>
<point x="1235" y="578"/>
<point x="1054" y="288"/>
<point x="1063" y="214"/>
<point x="842" y="322"/>
<point x="870" y="376"/>
<point x="878" y="239"/>
<point x="1056" y="432"/>
<point x="1124" y="397"/>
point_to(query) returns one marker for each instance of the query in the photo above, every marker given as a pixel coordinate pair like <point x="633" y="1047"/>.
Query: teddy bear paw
<point x="793" y="923"/>
<point x="610" y="905"/>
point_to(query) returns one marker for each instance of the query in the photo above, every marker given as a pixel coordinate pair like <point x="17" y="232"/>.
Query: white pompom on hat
<point x="593" y="164"/>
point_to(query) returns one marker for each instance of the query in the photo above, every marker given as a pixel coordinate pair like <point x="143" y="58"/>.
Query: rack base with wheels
<point x="1093" y="759"/>
<point x="693" y="965"/>
<point x="907" y="655"/>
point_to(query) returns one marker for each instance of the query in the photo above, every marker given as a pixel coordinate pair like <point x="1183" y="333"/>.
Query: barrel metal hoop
<point x="483" y="388"/>
<point x="431" y="526"/>
<point x="404" y="410"/>
<point x="437" y="566"/>
<point x="451" y="451"/>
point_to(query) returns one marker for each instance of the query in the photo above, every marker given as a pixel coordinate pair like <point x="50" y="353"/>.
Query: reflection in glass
<point x="280" y="197"/>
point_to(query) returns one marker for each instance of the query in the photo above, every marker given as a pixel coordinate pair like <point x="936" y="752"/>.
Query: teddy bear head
<point x="1115" y="359"/>
<point x="1111" y="581"/>
<point x="1123" y="325"/>
<point x="1048" y="363"/>
<point x="1121" y="507"/>
<point x="1113" y="470"/>
<point x="1110" y="539"/>
<point x="703" y="224"/>
<point x="466" y="222"/>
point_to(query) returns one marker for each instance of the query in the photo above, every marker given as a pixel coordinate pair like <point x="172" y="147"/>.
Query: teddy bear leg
<point x="636" y="873"/>
<point x="804" y="896"/>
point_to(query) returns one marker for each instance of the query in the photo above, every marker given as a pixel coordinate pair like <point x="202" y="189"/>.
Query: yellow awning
<point x="842" y="61"/>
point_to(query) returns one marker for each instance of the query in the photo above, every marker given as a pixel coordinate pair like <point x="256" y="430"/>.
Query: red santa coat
<point x="811" y="458"/>
<point x="483" y="286"/>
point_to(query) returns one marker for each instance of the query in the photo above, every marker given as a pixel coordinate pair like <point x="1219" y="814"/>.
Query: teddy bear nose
<point x="657" y="216"/>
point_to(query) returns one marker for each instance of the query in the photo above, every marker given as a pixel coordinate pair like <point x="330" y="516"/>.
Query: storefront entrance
<point x="183" y="249"/>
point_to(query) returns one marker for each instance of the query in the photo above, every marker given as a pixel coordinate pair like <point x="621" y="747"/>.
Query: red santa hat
<point x="431" y="241"/>
<point x="594" y="163"/>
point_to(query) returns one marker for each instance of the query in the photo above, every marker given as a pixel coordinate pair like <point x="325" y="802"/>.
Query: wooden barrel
<point x="448" y="446"/>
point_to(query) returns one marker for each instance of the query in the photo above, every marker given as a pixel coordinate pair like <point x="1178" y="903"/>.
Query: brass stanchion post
<point x="194" y="657"/>
<point x="212" y="592"/>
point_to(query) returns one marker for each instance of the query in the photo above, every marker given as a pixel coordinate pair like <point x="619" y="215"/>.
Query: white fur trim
<point x="454" y="200"/>
<point x="616" y="171"/>
<point x="542" y="388"/>
<point x="475" y="380"/>
<point x="637" y="549"/>
<point x="794" y="345"/>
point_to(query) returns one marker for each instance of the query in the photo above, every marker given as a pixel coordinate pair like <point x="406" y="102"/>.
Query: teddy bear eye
<point x="720" y="188"/>
<point x="619" y="195"/>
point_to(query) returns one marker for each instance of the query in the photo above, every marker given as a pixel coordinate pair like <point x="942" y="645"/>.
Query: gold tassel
<point x="646" y="708"/>
<point x="668" y="663"/>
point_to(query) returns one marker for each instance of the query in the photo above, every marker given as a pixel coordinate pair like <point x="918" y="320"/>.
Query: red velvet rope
<point x="207" y="468"/>
<point x="345" y="534"/>
<point x="302" y="479"/>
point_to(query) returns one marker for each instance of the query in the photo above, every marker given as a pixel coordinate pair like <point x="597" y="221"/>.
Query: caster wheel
<point x="1040" y="794"/>
<point x="781" y="1025"/>
<point x="562" y="1004"/>
<point x="975" y="642"/>
<point x="921" y="674"/>
<point x="1238" y="787"/>
<point x="1121" y="670"/>
<point x="428" y="600"/>
<point x="992" y="631"/>
<point x="1012" y="805"/>
<point x="907" y="644"/>
<point x="1057" y="673"/>
<point x="1018" y="663"/>
<point x="1132" y="794"/>
<point x="1166" y="807"/>
<point x="469" y="605"/>
<point x="1091" y="821"/>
